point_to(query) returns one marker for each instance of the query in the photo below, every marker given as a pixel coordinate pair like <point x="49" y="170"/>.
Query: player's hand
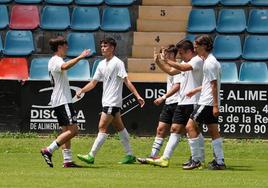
<point x="190" y="93"/>
<point x="78" y="94"/>
<point x="141" y="101"/>
<point x="158" y="101"/>
<point x="85" y="53"/>
<point x="156" y="55"/>
<point x="216" y="112"/>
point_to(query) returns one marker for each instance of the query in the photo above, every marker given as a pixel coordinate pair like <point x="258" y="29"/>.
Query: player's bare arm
<point x="73" y="61"/>
<point x="214" y="88"/>
<point x="194" y="91"/>
<point x="92" y="84"/>
<point x="175" y="88"/>
<point x="132" y="88"/>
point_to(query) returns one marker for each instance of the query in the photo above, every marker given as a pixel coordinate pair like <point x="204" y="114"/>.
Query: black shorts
<point x="110" y="110"/>
<point x="204" y="115"/>
<point x="66" y="114"/>
<point x="182" y="114"/>
<point x="167" y="113"/>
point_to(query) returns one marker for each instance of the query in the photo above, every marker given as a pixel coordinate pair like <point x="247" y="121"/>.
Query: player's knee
<point x="74" y="130"/>
<point x="160" y="131"/>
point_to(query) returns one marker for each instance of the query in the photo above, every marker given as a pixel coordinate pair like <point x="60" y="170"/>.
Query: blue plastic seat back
<point x="85" y="18"/>
<point x="253" y="72"/>
<point x="3" y="17"/>
<point x="39" y="69"/>
<point x="1" y="44"/>
<point x="80" y="71"/>
<point x="234" y="2"/>
<point x="5" y="1"/>
<point x="94" y="68"/>
<point x="115" y="19"/>
<point x="231" y="21"/>
<point x="59" y="2"/>
<point x="227" y="47"/>
<point x="118" y="2"/>
<point x="88" y="2"/>
<point x="55" y="18"/>
<point x="229" y="72"/>
<point x="77" y="42"/>
<point x="205" y="2"/>
<point x="259" y="2"/>
<point x="258" y="21"/>
<point x="18" y="43"/>
<point x="201" y="21"/>
<point x="255" y="47"/>
<point x="28" y="1"/>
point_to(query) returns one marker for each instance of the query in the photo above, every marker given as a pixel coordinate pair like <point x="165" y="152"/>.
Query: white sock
<point x="218" y="150"/>
<point x="195" y="149"/>
<point x="171" y="145"/>
<point x="158" y="142"/>
<point x="53" y="146"/>
<point x="67" y="155"/>
<point x="124" y="137"/>
<point x="98" y="143"/>
<point x="202" y="147"/>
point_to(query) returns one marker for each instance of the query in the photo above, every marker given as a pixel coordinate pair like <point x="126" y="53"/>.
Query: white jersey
<point x="171" y="81"/>
<point x="211" y="71"/>
<point x="191" y="80"/>
<point x="61" y="92"/>
<point x="112" y="73"/>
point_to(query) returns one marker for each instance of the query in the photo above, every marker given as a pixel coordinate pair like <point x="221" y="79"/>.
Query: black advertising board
<point x="243" y="109"/>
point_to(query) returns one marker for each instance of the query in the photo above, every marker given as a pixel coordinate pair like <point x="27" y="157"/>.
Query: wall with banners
<point x="24" y="107"/>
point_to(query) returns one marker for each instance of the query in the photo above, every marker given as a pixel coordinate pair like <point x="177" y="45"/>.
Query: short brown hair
<point x="185" y="45"/>
<point x="206" y="41"/>
<point x="56" y="42"/>
<point x="109" y="41"/>
<point x="172" y="49"/>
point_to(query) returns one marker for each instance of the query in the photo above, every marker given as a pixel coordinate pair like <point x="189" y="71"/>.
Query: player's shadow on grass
<point x="239" y="168"/>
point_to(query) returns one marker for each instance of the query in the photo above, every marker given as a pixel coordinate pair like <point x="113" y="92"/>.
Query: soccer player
<point x="171" y="99"/>
<point x="207" y="110"/>
<point x="61" y="101"/>
<point x="112" y="72"/>
<point x="191" y="75"/>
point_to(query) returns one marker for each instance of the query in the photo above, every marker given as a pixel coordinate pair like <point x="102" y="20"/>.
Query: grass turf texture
<point x="21" y="165"/>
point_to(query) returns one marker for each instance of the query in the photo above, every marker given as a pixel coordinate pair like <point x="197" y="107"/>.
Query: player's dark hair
<point x="205" y="40"/>
<point x="109" y="41"/>
<point x="54" y="43"/>
<point x="185" y="45"/>
<point x="172" y="49"/>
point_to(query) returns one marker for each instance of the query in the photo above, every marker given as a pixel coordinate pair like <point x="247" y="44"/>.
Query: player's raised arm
<point x="73" y="61"/>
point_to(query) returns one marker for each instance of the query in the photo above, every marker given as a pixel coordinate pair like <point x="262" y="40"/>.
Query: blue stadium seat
<point x="115" y="19"/>
<point x="77" y="42"/>
<point x="55" y="18"/>
<point x="94" y="68"/>
<point x="80" y="71"/>
<point x="190" y="37"/>
<point x="5" y="1"/>
<point x="234" y="2"/>
<point x="227" y="47"/>
<point x="118" y="2"/>
<point x="231" y="21"/>
<point x="1" y="44"/>
<point x="201" y="21"/>
<point x="85" y="18"/>
<point x="229" y="72"/>
<point x="258" y="21"/>
<point x="39" y="69"/>
<point x="28" y="1"/>
<point x="59" y="2"/>
<point x="18" y="43"/>
<point x="205" y="2"/>
<point x="255" y="47"/>
<point x="259" y="2"/>
<point x="3" y="17"/>
<point x="88" y="2"/>
<point x="253" y="72"/>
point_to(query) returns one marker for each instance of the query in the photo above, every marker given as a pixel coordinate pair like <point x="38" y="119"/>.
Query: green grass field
<point x="21" y="165"/>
